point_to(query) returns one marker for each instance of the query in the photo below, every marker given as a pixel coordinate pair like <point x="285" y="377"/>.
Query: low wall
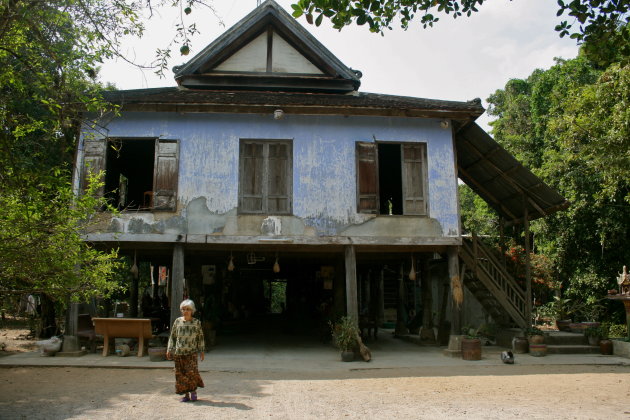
<point x="621" y="348"/>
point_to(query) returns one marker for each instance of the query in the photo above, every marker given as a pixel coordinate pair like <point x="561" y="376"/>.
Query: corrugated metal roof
<point x="502" y="181"/>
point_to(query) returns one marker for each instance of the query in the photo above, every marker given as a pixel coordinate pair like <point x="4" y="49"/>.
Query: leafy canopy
<point x="595" y="21"/>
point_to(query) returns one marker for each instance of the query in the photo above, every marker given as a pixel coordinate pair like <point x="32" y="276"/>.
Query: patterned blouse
<point x="186" y="337"/>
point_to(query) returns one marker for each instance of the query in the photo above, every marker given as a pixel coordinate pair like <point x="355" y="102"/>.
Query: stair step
<point x="572" y="349"/>
<point x="565" y="338"/>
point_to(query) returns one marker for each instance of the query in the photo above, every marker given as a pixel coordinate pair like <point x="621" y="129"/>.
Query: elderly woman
<point x="185" y="342"/>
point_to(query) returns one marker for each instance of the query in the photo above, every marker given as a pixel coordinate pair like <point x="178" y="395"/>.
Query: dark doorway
<point x="129" y="172"/>
<point x="390" y="179"/>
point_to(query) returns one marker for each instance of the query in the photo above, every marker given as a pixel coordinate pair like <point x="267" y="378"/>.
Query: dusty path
<point x="549" y="392"/>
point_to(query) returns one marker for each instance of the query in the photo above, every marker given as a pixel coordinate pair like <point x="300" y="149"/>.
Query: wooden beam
<point x="528" y="272"/>
<point x="352" y="305"/>
<point x="487" y="193"/>
<point x="508" y="179"/>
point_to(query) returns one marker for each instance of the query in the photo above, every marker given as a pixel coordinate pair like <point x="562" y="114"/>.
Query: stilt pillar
<point x="352" y="305"/>
<point x="177" y="281"/>
<point x="457" y="293"/>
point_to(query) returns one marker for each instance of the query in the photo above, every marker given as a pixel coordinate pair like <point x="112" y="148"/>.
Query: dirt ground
<point x="559" y="392"/>
<point x="475" y="392"/>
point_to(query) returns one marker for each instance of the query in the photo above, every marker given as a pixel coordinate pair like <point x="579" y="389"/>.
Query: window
<point x="140" y="173"/>
<point x="391" y="178"/>
<point x="266" y="177"/>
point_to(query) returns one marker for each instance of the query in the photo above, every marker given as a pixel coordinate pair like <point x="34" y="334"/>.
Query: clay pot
<point x="536" y="339"/>
<point x="471" y="349"/>
<point x="347" y="356"/>
<point x="538" y="350"/>
<point x="564" y="325"/>
<point x="606" y="346"/>
<point x="520" y="345"/>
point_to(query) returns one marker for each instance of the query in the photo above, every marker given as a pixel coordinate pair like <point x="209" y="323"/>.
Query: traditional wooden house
<point x="265" y="182"/>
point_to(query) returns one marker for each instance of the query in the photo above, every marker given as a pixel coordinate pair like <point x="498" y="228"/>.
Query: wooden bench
<point x="139" y="328"/>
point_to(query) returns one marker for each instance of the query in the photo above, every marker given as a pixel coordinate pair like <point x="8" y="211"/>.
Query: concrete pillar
<point x="352" y="306"/>
<point x="177" y="281"/>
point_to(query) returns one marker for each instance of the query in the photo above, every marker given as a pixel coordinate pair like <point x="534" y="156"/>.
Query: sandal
<point x="193" y="396"/>
<point x="185" y="398"/>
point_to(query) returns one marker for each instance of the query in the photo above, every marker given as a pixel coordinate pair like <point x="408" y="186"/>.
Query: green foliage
<point x="345" y="333"/>
<point x="42" y="249"/>
<point x="471" y="332"/>
<point x="477" y="216"/>
<point x="597" y="21"/>
<point x="617" y="331"/>
<point x="533" y="331"/>
<point x="596" y="332"/>
<point x="570" y="125"/>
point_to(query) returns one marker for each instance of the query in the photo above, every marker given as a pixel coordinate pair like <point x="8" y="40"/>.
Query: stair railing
<point x="487" y="269"/>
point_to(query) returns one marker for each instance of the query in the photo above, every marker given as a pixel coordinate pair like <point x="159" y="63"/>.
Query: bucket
<point x="471" y="349"/>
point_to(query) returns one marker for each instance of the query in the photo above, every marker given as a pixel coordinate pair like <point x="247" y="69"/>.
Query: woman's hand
<point x="168" y="355"/>
<point x="202" y="355"/>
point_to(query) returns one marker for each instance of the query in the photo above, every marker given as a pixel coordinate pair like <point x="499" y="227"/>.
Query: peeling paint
<point x="324" y="177"/>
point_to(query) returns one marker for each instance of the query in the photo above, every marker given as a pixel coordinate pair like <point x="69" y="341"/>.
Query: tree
<point x="569" y="124"/>
<point x="49" y="56"/>
<point x="594" y="21"/>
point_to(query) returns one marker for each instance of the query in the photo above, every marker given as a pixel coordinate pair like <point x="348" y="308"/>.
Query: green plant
<point x="533" y="331"/>
<point x="471" y="332"/>
<point x="564" y="308"/>
<point x="345" y="333"/>
<point x="617" y="331"/>
<point x="595" y="332"/>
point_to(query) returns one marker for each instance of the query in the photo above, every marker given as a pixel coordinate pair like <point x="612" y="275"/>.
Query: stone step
<point x="572" y="349"/>
<point x="565" y="338"/>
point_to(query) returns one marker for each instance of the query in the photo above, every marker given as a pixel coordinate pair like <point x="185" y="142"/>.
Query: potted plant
<point x="345" y="333"/>
<point x="535" y="335"/>
<point x="471" y="344"/>
<point x="563" y="310"/>
<point x="594" y="334"/>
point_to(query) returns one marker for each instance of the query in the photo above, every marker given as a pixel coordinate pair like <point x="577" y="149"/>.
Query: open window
<point x="391" y="178"/>
<point x="140" y="173"/>
<point x="265" y="176"/>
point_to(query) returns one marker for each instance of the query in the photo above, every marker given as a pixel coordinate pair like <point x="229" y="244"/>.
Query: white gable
<point x="253" y="58"/>
<point x="286" y="59"/>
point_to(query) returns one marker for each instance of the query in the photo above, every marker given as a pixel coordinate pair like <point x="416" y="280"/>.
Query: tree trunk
<point x="48" y="325"/>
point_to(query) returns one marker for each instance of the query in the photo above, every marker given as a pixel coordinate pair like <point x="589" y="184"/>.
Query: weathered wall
<point x="324" y="184"/>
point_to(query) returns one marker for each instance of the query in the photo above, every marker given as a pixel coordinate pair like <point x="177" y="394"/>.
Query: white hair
<point x="188" y="304"/>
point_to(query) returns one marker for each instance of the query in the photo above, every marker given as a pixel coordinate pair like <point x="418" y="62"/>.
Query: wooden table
<point x="139" y="328"/>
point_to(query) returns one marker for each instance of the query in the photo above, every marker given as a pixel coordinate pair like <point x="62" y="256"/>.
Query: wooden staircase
<point x="492" y="285"/>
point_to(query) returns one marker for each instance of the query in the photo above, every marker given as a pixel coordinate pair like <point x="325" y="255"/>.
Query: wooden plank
<point x="367" y="177"/>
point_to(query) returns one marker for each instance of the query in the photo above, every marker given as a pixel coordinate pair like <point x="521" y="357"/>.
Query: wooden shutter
<point x="279" y="179"/>
<point x="367" y="177"/>
<point x="94" y="151"/>
<point x="165" y="174"/>
<point x="251" y="180"/>
<point x="414" y="179"/>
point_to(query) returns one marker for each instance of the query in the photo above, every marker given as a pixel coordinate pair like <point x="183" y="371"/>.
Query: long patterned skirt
<point x="187" y="377"/>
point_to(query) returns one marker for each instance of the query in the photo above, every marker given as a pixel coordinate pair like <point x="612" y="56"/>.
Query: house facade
<point x="267" y="183"/>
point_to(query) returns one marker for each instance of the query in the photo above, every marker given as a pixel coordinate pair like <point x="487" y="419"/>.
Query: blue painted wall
<point x="324" y="181"/>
